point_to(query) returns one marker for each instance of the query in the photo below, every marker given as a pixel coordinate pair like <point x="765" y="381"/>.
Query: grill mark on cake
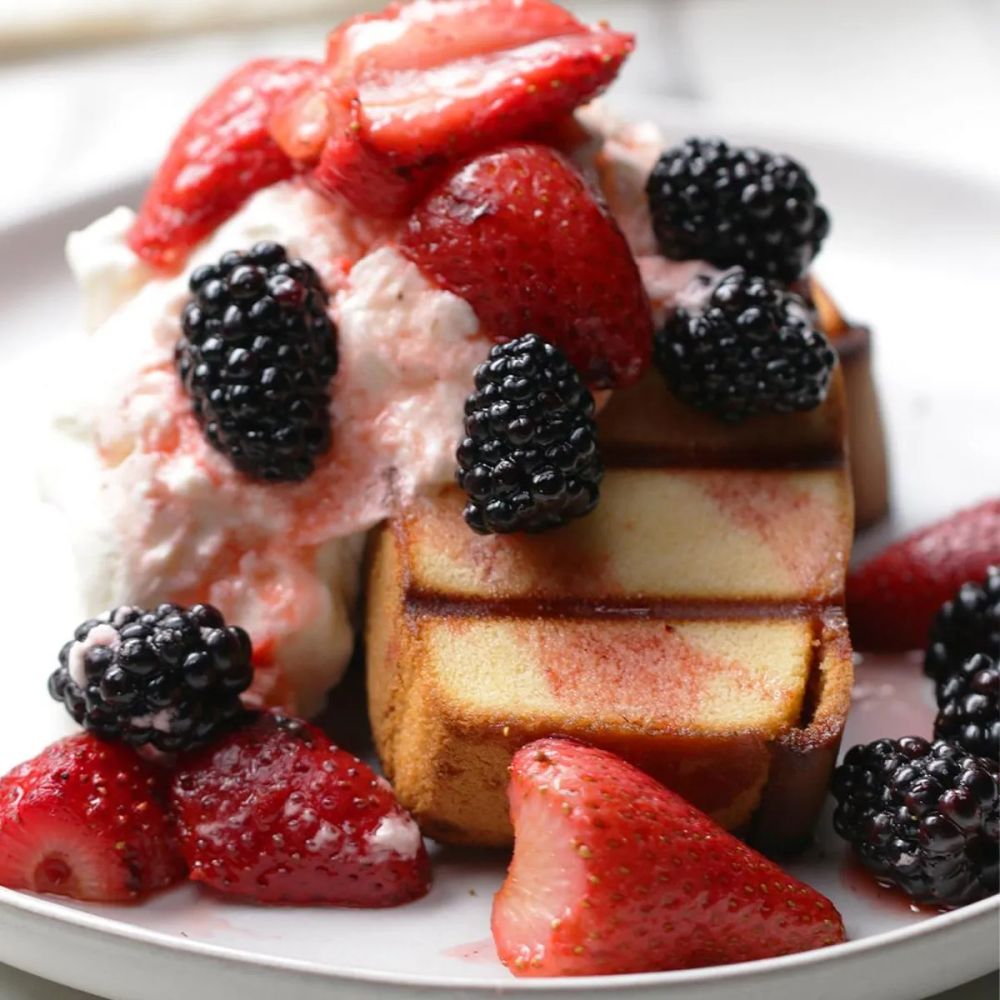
<point x="421" y="601"/>
<point x="793" y="458"/>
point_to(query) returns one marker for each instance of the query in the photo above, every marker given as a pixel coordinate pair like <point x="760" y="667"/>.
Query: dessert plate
<point x="913" y="252"/>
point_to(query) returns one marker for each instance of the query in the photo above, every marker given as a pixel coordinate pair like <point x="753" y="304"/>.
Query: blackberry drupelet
<point x="969" y="706"/>
<point x="922" y="816"/>
<point x="969" y="623"/>
<point x="727" y="205"/>
<point x="170" y="678"/>
<point x="256" y="355"/>
<point x="742" y="347"/>
<point x="529" y="460"/>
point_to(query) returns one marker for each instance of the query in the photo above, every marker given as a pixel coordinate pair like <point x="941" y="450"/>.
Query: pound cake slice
<point x="692" y="623"/>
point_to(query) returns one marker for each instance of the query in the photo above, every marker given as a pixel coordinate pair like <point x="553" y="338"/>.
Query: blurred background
<point x="90" y="90"/>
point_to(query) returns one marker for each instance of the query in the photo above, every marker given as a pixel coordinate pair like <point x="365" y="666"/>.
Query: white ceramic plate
<point x="913" y="252"/>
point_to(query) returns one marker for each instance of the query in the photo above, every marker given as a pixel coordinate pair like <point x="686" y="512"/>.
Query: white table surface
<point x="916" y="78"/>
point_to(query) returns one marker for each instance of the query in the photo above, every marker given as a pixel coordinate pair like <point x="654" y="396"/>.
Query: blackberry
<point x="529" y="460"/>
<point x="170" y="678"/>
<point x="969" y="706"/>
<point x="727" y="205"/>
<point x="969" y="623"/>
<point x="742" y="347"/>
<point x="922" y="816"/>
<point x="256" y="355"/>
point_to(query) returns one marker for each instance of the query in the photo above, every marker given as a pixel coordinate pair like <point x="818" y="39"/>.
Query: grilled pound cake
<point x="692" y="623"/>
<point x="865" y="430"/>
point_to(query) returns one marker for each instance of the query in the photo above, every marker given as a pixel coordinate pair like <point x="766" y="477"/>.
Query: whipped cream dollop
<point x="618" y="158"/>
<point x="157" y="514"/>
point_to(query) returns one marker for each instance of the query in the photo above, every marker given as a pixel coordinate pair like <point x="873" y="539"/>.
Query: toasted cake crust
<point x="692" y="624"/>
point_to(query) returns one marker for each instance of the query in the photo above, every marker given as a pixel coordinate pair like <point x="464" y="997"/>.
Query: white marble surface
<point x="916" y="78"/>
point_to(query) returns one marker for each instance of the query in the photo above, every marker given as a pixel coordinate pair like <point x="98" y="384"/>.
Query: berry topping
<point x="969" y="702"/>
<point x="256" y="355"/>
<point x="422" y="84"/>
<point x="222" y="155"/>
<point x="921" y="816"/>
<point x="518" y="234"/>
<point x="86" y="819"/>
<point x="714" y="202"/>
<point x="170" y="678"/>
<point x="529" y="459"/>
<point x="742" y="347"/>
<point x="613" y="873"/>
<point x="276" y="813"/>
<point x="892" y="599"/>
<point x="969" y="623"/>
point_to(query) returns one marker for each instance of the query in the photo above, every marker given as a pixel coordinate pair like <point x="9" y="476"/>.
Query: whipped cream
<point x="618" y="158"/>
<point x="396" y="836"/>
<point x="157" y="514"/>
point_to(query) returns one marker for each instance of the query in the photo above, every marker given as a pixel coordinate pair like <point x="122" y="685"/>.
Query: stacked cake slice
<point x="692" y="623"/>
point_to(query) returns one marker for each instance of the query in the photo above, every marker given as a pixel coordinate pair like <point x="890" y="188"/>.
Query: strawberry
<point x="276" y="813"/>
<point x="892" y="599"/>
<point x="425" y="83"/>
<point x="85" y="819"/>
<point x="613" y="873"/>
<point x="222" y="155"/>
<point x="518" y="233"/>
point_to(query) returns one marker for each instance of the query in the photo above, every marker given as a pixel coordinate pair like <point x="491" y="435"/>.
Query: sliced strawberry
<point x="426" y="83"/>
<point x="613" y="873"/>
<point x="276" y="813"/>
<point x="518" y="233"/>
<point x="429" y="33"/>
<point x="892" y="599"/>
<point x="85" y="819"/>
<point x="222" y="155"/>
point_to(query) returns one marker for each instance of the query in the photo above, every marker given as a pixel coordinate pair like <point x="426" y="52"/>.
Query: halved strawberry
<point x="278" y="814"/>
<point x="893" y="598"/>
<point x="427" y="82"/>
<point x="613" y="873"/>
<point x="85" y="819"/>
<point x="519" y="235"/>
<point x="222" y="155"/>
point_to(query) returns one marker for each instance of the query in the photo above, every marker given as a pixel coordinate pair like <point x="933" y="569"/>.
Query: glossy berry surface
<point x="614" y="873"/>
<point x="744" y="346"/>
<point x="88" y="820"/>
<point x="169" y="678"/>
<point x="417" y="86"/>
<point x="519" y="234"/>
<point x="969" y="623"/>
<point x="276" y="813"/>
<point x="735" y="206"/>
<point x="223" y="153"/>
<point x="922" y="816"/>
<point x="529" y="458"/>
<point x="969" y="706"/>
<point x="257" y="354"/>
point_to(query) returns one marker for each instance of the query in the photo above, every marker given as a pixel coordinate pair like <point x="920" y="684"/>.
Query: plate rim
<point x="975" y="914"/>
<point x="44" y="907"/>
